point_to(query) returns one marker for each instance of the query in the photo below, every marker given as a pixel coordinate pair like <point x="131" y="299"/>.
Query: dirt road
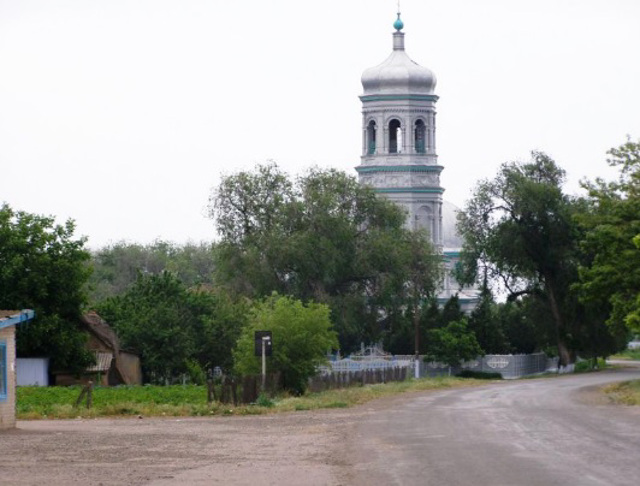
<point x="412" y="439"/>
<point x="542" y="432"/>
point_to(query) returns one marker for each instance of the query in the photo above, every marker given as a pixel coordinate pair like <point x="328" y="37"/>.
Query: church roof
<point x="398" y="74"/>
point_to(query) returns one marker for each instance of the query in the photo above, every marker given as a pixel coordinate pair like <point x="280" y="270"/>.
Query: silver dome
<point x="398" y="74"/>
<point x="451" y="240"/>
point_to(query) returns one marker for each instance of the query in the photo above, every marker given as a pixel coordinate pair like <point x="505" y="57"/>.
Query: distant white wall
<point x="32" y="371"/>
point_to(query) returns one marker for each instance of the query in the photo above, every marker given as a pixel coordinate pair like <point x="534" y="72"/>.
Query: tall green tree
<point x="612" y="224"/>
<point x="486" y="326"/>
<point x="43" y="266"/>
<point x="518" y="227"/>
<point x="320" y="237"/>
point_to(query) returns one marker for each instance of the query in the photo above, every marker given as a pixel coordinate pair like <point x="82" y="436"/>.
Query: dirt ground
<point x="308" y="447"/>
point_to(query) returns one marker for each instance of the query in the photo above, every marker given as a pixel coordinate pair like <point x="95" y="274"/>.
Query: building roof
<point x="97" y="326"/>
<point x="398" y="74"/>
<point x="11" y="318"/>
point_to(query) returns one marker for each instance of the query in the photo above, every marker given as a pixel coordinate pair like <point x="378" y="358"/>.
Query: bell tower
<point x="399" y="156"/>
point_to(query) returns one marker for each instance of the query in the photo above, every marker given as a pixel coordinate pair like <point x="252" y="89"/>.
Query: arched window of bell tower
<point x="395" y="136"/>
<point x="425" y="220"/>
<point x="420" y="137"/>
<point x="371" y="138"/>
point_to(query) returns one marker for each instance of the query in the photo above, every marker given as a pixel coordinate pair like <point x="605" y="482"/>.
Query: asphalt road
<point x="555" y="431"/>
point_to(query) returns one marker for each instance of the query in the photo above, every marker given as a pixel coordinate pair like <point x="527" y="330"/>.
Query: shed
<point x="114" y="366"/>
<point x="8" y="321"/>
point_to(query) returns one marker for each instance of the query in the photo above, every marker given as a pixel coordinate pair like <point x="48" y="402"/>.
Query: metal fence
<point x="344" y="379"/>
<point x="508" y="365"/>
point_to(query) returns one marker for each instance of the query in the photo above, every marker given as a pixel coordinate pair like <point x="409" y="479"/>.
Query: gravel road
<point x="530" y="432"/>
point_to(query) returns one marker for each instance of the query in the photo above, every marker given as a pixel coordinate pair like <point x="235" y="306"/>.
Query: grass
<point x="626" y="393"/>
<point x="190" y="400"/>
<point x="628" y="354"/>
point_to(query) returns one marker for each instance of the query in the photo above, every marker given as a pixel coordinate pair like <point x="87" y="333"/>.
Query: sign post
<point x="262" y="341"/>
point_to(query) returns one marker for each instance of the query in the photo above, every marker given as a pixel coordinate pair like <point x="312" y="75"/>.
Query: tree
<point x="43" y="267"/>
<point x="175" y="329"/>
<point x="611" y="223"/>
<point x="116" y="267"/>
<point x="518" y="227"/>
<point x="452" y="344"/>
<point x="302" y="336"/>
<point x="323" y="238"/>
<point x="485" y="325"/>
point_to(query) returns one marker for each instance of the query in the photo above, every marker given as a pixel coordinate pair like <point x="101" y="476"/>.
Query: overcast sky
<point x="123" y="114"/>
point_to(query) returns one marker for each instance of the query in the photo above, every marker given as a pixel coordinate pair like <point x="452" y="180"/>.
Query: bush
<point x="302" y="335"/>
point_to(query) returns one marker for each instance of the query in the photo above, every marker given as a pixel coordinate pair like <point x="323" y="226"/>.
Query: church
<point x="399" y="158"/>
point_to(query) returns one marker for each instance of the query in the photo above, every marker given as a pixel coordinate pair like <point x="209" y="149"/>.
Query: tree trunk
<point x="564" y="354"/>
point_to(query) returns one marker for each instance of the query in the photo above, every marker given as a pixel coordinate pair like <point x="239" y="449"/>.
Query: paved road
<point x="530" y="432"/>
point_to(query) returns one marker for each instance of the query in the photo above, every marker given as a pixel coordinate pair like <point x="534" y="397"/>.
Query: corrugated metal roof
<point x="103" y="362"/>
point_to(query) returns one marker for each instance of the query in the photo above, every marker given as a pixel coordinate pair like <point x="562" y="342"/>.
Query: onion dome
<point x="398" y="74"/>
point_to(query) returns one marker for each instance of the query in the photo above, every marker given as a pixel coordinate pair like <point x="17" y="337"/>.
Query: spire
<point x="398" y="24"/>
<point x="398" y="36"/>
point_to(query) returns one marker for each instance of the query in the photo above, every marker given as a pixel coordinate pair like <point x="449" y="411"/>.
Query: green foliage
<point x="175" y="330"/>
<point x="116" y="267"/>
<point x="487" y="327"/>
<point x="519" y="230"/>
<point x="325" y="238"/>
<point x="452" y="344"/>
<point x="612" y="225"/>
<point x="590" y="365"/>
<point x="302" y="336"/>
<point x="43" y="267"/>
<point x="264" y="401"/>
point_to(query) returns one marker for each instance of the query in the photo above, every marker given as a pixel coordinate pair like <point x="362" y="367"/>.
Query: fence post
<point x="211" y="392"/>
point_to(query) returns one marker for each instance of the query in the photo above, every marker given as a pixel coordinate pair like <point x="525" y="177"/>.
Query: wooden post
<point x="90" y="394"/>
<point x="211" y="392"/>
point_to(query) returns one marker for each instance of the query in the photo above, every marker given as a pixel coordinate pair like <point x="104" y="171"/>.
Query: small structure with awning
<point x="8" y="322"/>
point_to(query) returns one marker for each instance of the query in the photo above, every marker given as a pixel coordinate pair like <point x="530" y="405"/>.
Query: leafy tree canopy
<point x="116" y="267"/>
<point x="612" y="225"/>
<point x="320" y="237"/>
<point x="519" y="229"/>
<point x="43" y="267"/>
<point x="302" y="336"/>
<point x="175" y="329"/>
<point x="452" y="344"/>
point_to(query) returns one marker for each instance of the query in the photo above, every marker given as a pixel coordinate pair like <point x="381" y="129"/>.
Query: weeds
<point x="626" y="393"/>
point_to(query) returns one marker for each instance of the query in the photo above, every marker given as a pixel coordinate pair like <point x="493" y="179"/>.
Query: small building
<point x="8" y="321"/>
<point x="114" y="366"/>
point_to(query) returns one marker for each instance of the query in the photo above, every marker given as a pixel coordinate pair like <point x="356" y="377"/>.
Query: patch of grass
<point x="589" y="365"/>
<point x="625" y="393"/>
<point x="190" y="400"/>
<point x="628" y="354"/>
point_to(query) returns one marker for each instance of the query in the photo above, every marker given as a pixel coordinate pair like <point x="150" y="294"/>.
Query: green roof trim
<point x="399" y="168"/>
<point x="388" y="190"/>
<point x="407" y="97"/>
